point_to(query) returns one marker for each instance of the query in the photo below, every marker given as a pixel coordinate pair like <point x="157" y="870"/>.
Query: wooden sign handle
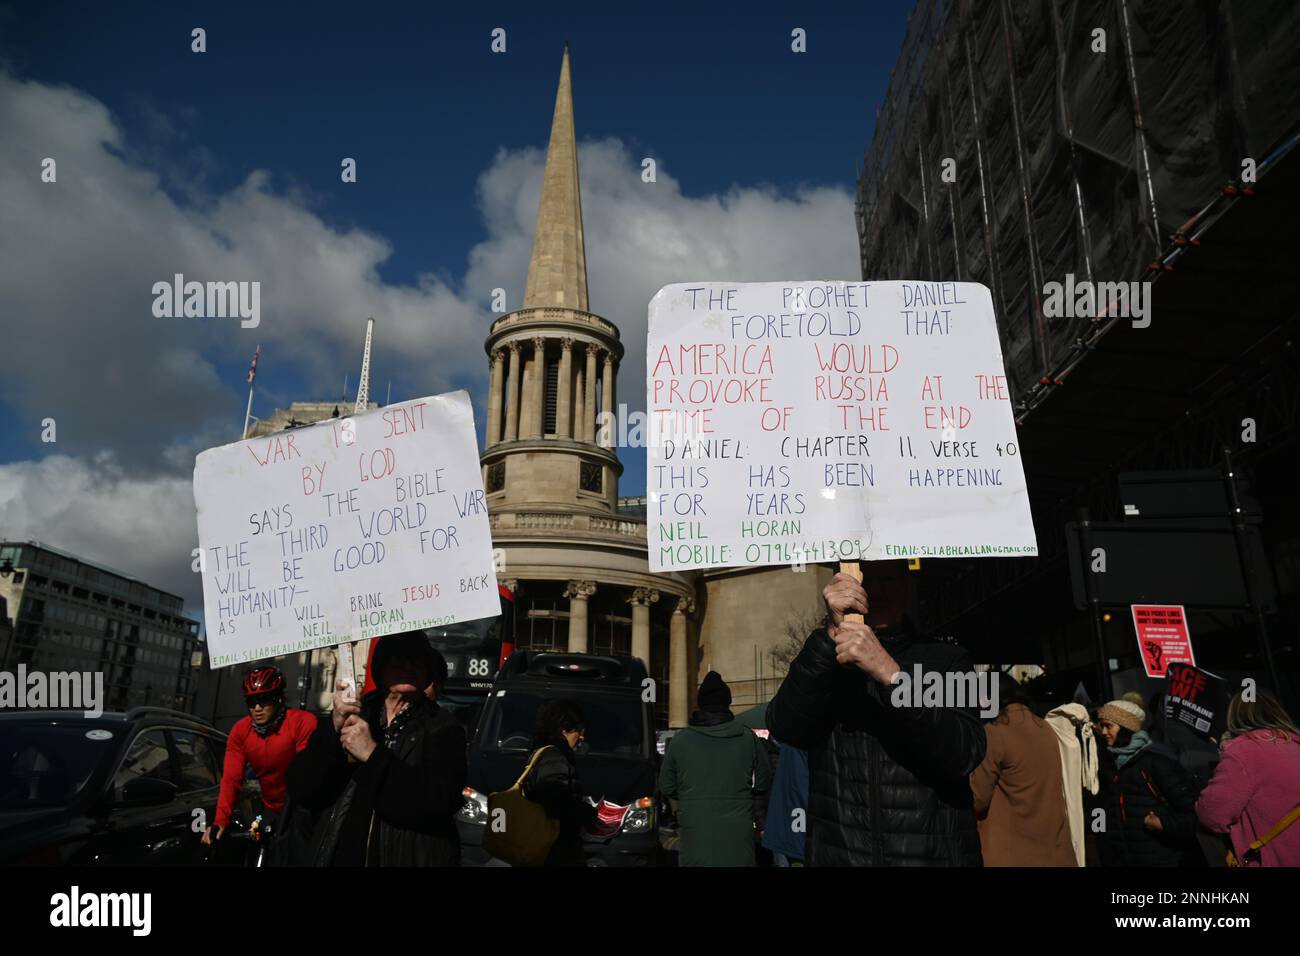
<point x="852" y="569"/>
<point x="347" y="673"/>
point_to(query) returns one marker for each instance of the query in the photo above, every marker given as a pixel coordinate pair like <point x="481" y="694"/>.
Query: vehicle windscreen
<point x="45" y="765"/>
<point x="615" y="724"/>
<point x="471" y="649"/>
<point x="466" y="708"/>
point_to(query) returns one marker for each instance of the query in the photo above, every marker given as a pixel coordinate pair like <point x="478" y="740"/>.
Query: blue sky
<point x="172" y="157"/>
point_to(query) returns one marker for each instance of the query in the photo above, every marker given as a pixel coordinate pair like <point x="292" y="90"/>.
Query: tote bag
<point x="523" y="834"/>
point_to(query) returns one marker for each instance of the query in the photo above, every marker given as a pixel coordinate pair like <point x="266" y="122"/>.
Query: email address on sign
<point x="954" y="550"/>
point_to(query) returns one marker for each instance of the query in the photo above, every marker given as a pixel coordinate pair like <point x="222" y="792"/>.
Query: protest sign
<point x="1162" y="637"/>
<point x="1196" y="699"/>
<point x="345" y="530"/>
<point x="820" y="421"/>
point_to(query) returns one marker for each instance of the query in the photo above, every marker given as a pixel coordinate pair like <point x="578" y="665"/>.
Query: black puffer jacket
<point x="888" y="786"/>
<point x="1152" y="781"/>
<point x="396" y="809"/>
<point x="553" y="783"/>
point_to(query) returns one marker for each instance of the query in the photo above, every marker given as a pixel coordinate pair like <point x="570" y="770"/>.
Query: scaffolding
<point x="1115" y="166"/>
<point x="1098" y="138"/>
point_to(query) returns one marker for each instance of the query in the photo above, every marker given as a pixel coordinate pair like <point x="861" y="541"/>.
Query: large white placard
<point x="818" y="421"/>
<point x="344" y="530"/>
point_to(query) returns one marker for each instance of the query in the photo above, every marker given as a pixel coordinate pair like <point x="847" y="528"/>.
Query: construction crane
<point x="363" y="387"/>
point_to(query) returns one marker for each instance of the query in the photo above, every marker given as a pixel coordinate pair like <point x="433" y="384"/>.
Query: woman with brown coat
<point x="1019" y="789"/>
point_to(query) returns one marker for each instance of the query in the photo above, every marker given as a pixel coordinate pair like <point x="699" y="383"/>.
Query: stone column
<point x="679" y="689"/>
<point x="525" y="392"/>
<point x="641" y="600"/>
<point x="564" y="401"/>
<point x="607" y="400"/>
<point x="512" y="392"/>
<point x="495" y="396"/>
<point x="579" y="406"/>
<point x="589" y="403"/>
<point x="538" y="402"/>
<point x="578" y="592"/>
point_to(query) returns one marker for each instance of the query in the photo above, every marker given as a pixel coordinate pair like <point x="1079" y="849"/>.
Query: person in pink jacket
<point x="1257" y="782"/>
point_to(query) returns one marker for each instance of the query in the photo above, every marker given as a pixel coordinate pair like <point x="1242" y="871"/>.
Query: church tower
<point x="575" y="559"/>
<point x="554" y="363"/>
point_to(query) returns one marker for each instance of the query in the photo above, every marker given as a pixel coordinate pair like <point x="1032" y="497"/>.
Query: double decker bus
<point x="474" y="651"/>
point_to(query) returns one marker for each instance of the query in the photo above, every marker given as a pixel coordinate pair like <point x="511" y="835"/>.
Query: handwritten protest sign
<point x="344" y="530"/>
<point x="824" y="421"/>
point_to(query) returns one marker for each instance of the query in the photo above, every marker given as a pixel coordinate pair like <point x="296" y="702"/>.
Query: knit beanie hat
<point x="714" y="691"/>
<point x="1125" y="713"/>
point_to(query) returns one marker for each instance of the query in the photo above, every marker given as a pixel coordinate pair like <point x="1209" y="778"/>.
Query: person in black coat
<point x="553" y="781"/>
<point x="1148" y="798"/>
<point x="888" y="785"/>
<point x="380" y="784"/>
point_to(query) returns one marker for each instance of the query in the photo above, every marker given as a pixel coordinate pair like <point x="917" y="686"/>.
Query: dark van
<point x="617" y="761"/>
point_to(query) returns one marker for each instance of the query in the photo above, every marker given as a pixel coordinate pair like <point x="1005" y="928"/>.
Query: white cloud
<point x="142" y="527"/>
<point x="643" y="236"/>
<point x="135" y="397"/>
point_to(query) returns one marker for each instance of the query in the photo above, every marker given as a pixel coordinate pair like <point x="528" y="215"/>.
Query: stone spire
<point x="557" y="272"/>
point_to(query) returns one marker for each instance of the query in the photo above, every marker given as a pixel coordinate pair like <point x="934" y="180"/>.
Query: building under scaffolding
<point x="1112" y="141"/>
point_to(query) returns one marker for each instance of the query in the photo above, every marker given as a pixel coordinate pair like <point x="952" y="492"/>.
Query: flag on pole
<point x="252" y="369"/>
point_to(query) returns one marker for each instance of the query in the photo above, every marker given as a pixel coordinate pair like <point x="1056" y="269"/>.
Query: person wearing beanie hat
<point x="714" y="692"/>
<point x="712" y="770"/>
<point x="1123" y="713"/>
<point x="1149" y="800"/>
<point x="381" y="780"/>
<point x="1134" y="697"/>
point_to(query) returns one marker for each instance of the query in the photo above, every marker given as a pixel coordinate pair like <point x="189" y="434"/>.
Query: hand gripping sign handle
<point x="852" y="569"/>
<point x="347" y="674"/>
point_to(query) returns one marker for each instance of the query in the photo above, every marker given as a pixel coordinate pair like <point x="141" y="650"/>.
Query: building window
<point x="548" y="630"/>
<point x="496" y="476"/>
<point x="591" y="476"/>
<point x="148" y="757"/>
<point x="611" y="634"/>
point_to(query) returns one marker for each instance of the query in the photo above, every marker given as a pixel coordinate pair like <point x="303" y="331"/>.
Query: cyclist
<point x="267" y="740"/>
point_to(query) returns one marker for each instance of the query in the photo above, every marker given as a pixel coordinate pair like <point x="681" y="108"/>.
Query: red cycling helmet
<point x="263" y="680"/>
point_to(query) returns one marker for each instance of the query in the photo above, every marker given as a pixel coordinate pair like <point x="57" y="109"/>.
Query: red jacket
<point x="269" y="757"/>
<point x="1256" y="783"/>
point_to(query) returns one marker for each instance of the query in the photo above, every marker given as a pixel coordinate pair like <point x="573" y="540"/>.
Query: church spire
<point x="557" y="272"/>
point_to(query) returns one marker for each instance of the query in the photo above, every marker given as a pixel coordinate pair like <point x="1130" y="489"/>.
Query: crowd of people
<point x="846" y="778"/>
<point x="862" y="782"/>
